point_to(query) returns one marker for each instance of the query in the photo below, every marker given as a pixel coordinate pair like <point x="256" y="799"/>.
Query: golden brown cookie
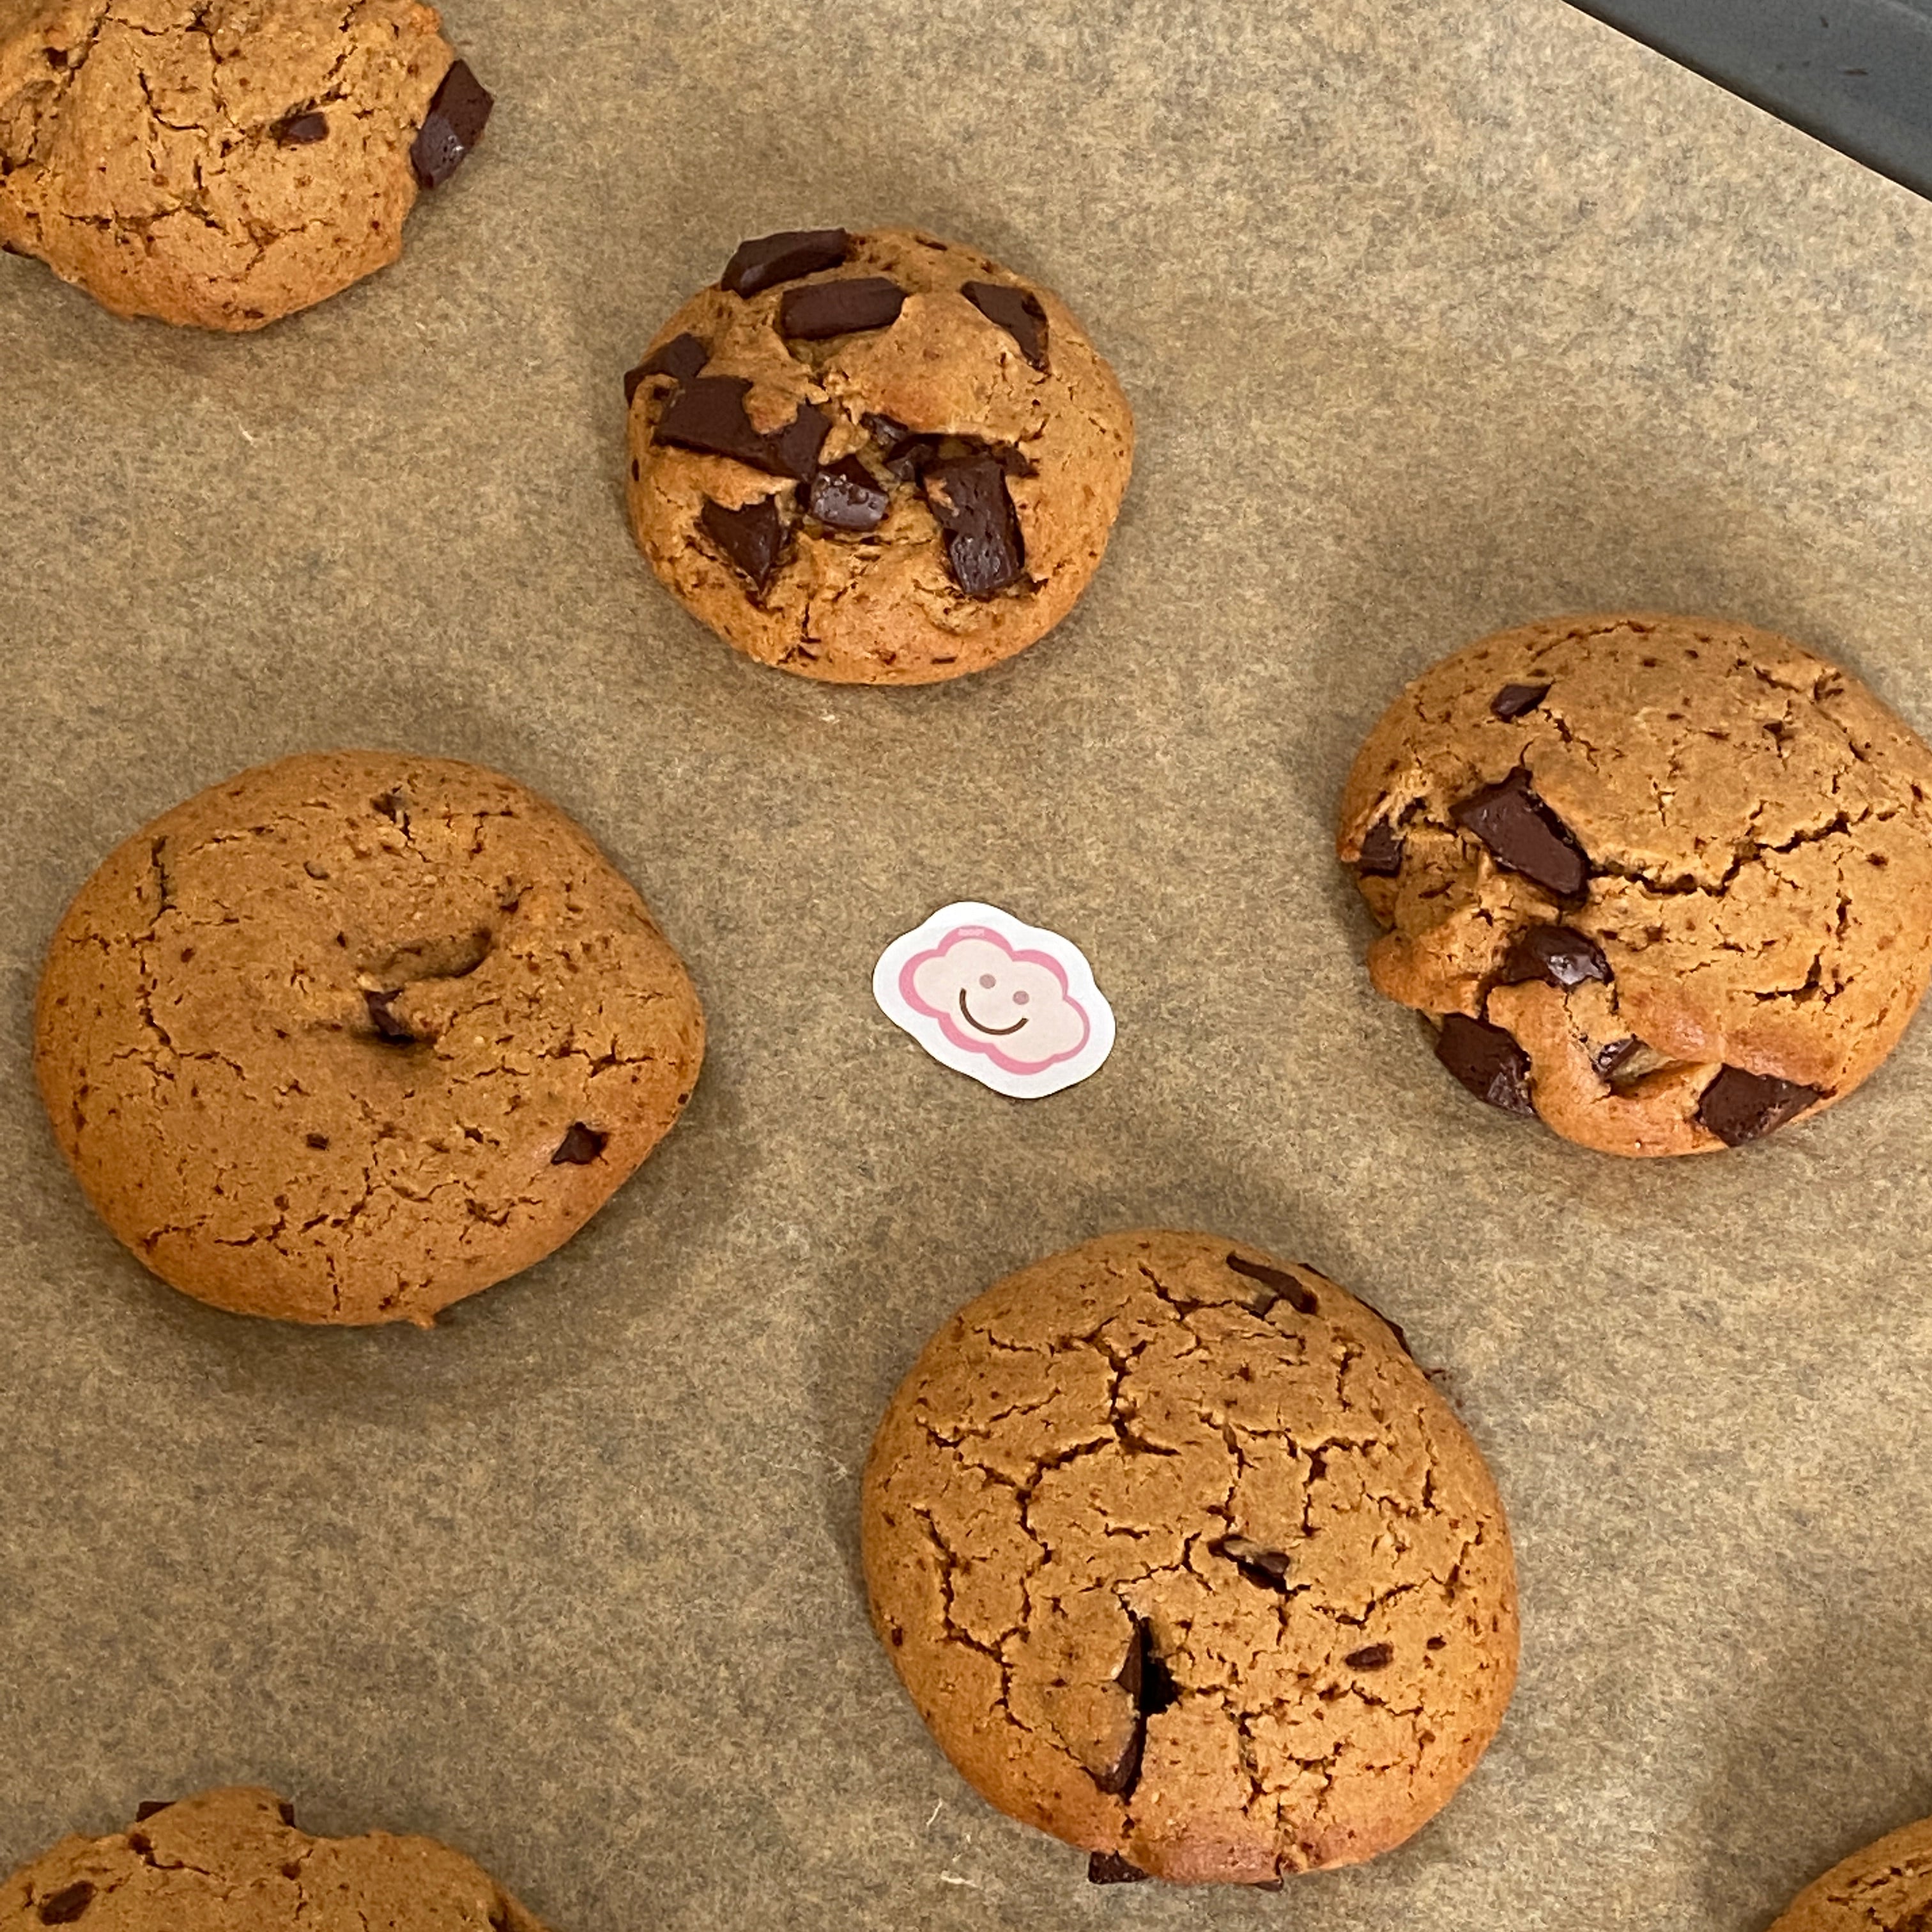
<point x="875" y="459"/>
<point x="233" y="1859"/>
<point x="1183" y="1560"/>
<point x="1885" y="1888"/>
<point x="227" y="162"/>
<point x="358" y="1033"/>
<point x="1664" y="882"/>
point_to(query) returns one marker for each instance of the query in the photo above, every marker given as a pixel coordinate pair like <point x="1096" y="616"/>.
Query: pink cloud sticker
<point x="1013" y="1005"/>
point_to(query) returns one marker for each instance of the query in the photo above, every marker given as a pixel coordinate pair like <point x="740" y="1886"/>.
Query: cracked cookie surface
<point x="1885" y="1888"/>
<point x="233" y="1858"/>
<point x="887" y="460"/>
<point x="1183" y="1560"/>
<point x="220" y="163"/>
<point x="1664" y="882"/>
<point x="356" y="1034"/>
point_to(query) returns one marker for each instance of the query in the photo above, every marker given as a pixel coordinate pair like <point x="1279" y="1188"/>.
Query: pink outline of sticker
<point x="975" y="1054"/>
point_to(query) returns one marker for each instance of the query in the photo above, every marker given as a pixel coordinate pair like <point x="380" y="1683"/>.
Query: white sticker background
<point x="1011" y="1006"/>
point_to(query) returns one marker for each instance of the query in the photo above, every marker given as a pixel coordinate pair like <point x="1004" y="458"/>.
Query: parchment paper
<point x="1437" y="317"/>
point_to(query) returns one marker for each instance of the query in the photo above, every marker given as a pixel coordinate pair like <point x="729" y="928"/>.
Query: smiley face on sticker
<point x="1013" y="1005"/>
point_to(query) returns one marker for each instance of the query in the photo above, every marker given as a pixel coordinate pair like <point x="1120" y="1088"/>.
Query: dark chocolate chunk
<point x="984" y="550"/>
<point x="288" y="1812"/>
<point x="753" y="538"/>
<point x="1376" y="1657"/>
<point x="1738" y="1106"/>
<point x="846" y="495"/>
<point x="385" y="1021"/>
<point x="1255" y="1561"/>
<point x="1151" y="1687"/>
<point x="1381" y="851"/>
<point x="1286" y="1287"/>
<point x="680" y="358"/>
<point x="66" y="1904"/>
<point x="1487" y="1061"/>
<point x="708" y="414"/>
<point x="1014" y="463"/>
<point x="1155" y="1689"/>
<point x="302" y="130"/>
<point x="1016" y="311"/>
<point x="1524" y="836"/>
<point x="795" y="448"/>
<point x="1514" y="699"/>
<point x="773" y="259"/>
<point x="1555" y="954"/>
<point x="1607" y="1059"/>
<point x="57" y="57"/>
<point x="149" y="1807"/>
<point x="454" y="125"/>
<point x="839" y="308"/>
<point x="905" y="450"/>
<point x="580" y="1147"/>
<point x="1110" y="1868"/>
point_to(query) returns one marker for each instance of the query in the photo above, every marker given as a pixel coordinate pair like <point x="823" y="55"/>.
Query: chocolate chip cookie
<point x="1885" y="1888"/>
<point x="877" y="458"/>
<point x="1665" y="883"/>
<point x="356" y="1034"/>
<point x="233" y="1858"/>
<point x="1183" y="1560"/>
<point x="227" y="162"/>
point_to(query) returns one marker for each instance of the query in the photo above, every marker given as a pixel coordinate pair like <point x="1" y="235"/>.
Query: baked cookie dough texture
<point x="356" y="1034"/>
<point x="1665" y="883"/>
<point x="1183" y="1560"/>
<point x="233" y="1858"/>
<point x="875" y="458"/>
<point x="1885" y="1888"/>
<point x="223" y="162"/>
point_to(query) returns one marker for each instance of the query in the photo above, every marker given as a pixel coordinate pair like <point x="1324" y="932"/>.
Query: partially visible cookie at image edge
<point x="1664" y="882"/>
<point x="226" y="164"/>
<point x="234" y="1858"/>
<point x="356" y="1034"/>
<point x="1184" y="1560"/>
<point x="874" y="458"/>
<point x="1887" y="1887"/>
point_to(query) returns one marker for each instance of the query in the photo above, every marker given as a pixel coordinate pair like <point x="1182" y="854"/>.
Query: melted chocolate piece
<point x="302" y="131"/>
<point x="579" y="1148"/>
<point x="1738" y="1106"/>
<point x="839" y="308"/>
<point x="1487" y="1061"/>
<point x="708" y="414"/>
<point x="1524" y="836"/>
<point x="985" y="551"/>
<point x="66" y="1904"/>
<point x="149" y="1807"/>
<point x="753" y="538"/>
<point x="846" y="495"/>
<point x="906" y="452"/>
<point x="680" y="358"/>
<point x="1151" y="1687"/>
<point x="1514" y="699"/>
<point x="773" y="259"/>
<point x="1376" y="1657"/>
<point x="454" y="125"/>
<point x="1382" y="852"/>
<point x="1286" y="1287"/>
<point x="1255" y="1561"/>
<point x="1607" y="1059"/>
<point x="288" y="1812"/>
<point x="1016" y="311"/>
<point x="385" y="1022"/>
<point x="1110" y="1868"/>
<point x="1557" y="956"/>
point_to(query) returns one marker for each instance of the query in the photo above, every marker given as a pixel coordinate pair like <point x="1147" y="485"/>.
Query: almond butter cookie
<point x="1664" y="882"/>
<point x="1885" y="1888"/>
<point x="358" y="1033"/>
<point x="1183" y="1560"/>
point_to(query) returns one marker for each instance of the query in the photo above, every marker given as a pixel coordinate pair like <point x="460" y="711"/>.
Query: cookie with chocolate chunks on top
<point x="1665" y="883"/>
<point x="956" y="447"/>
<point x="1124" y="1528"/>
<point x="224" y="165"/>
